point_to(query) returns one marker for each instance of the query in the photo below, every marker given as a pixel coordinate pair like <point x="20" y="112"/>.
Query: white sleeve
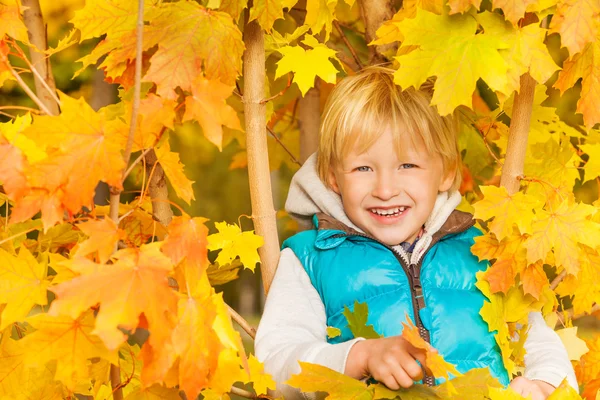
<point x="546" y="358"/>
<point x="293" y="327"/>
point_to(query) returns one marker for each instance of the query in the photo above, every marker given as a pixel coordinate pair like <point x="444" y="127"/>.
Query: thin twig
<point x="556" y="281"/>
<point x="241" y="322"/>
<point x="133" y="164"/>
<point x="285" y="148"/>
<point x="8" y="115"/>
<point x="26" y="88"/>
<point x="23" y="56"/>
<point x="571" y="314"/>
<point x="138" y="83"/>
<point x="8" y="239"/>
<point x="243" y="393"/>
<point x="345" y="39"/>
<point x="33" y="110"/>
<point x="289" y="83"/>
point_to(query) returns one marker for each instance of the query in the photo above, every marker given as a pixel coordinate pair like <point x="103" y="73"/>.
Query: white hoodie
<point x="293" y="324"/>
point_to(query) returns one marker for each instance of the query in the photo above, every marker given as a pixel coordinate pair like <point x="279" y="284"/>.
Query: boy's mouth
<point x="388" y="212"/>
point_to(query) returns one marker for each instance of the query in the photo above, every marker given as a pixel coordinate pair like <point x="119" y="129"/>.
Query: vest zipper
<point x="413" y="272"/>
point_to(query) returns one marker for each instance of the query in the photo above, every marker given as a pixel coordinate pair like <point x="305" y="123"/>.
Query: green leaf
<point x="357" y="321"/>
<point x="333" y="332"/>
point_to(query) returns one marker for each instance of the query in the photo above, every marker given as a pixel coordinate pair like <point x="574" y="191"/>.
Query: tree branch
<point x="241" y="322"/>
<point x="243" y="393"/>
<point x="40" y="66"/>
<point x="309" y="120"/>
<point x="556" y="281"/>
<point x="345" y="39"/>
<point x="294" y="159"/>
<point x="263" y="211"/>
<point x="26" y="88"/>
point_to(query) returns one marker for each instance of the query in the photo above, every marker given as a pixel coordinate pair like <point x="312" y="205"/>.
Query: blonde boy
<point x="382" y="196"/>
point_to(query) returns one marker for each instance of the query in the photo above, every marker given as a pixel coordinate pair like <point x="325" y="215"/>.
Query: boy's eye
<point x="407" y="166"/>
<point x="363" y="168"/>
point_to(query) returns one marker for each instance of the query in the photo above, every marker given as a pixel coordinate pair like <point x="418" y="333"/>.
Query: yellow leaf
<point x="562" y="229"/>
<point x="228" y="372"/>
<point x="68" y="341"/>
<point x="564" y="392"/>
<point x="233" y="243"/>
<point x="585" y="289"/>
<point x="505" y="394"/>
<point x="320" y="14"/>
<point x="307" y="64"/>
<point x="11" y="23"/>
<point x="592" y="166"/>
<point x="506" y="209"/>
<point x="333" y="332"/>
<point x="260" y="379"/>
<point x="173" y="168"/>
<point x="266" y="12"/>
<point x="207" y="106"/>
<point x="100" y="17"/>
<point x="23" y="283"/>
<point x="339" y="386"/>
<point x="461" y="6"/>
<point x="513" y="10"/>
<point x="12" y="368"/>
<point x="574" y="345"/>
<point x="451" y="50"/>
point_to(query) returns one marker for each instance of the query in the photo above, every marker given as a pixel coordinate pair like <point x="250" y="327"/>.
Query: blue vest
<point x="344" y="267"/>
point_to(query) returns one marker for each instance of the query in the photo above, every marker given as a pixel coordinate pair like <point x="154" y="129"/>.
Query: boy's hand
<point x="538" y="390"/>
<point x="391" y="361"/>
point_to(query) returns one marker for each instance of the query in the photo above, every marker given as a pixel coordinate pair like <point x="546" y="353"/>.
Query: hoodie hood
<point x="308" y="196"/>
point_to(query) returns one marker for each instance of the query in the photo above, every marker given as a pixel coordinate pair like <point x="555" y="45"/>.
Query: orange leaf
<point x="187" y="239"/>
<point x="183" y="47"/>
<point x="136" y="283"/>
<point x="103" y="237"/>
<point x="589" y="366"/>
<point x="501" y="275"/>
<point x="577" y="23"/>
<point x="534" y="279"/>
<point x="173" y="168"/>
<point x="207" y="105"/>
<point x="11" y="170"/>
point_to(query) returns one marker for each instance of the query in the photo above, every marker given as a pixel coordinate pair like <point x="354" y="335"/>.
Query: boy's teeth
<point x="391" y="211"/>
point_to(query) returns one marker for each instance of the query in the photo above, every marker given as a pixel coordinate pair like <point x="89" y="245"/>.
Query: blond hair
<point x="362" y="107"/>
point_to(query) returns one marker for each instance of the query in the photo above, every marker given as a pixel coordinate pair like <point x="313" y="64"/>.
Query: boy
<point x="382" y="198"/>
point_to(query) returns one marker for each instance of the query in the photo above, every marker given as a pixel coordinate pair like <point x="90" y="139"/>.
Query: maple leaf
<point x="564" y="391"/>
<point x="12" y="175"/>
<point x="260" y="379"/>
<point x="307" y="64"/>
<point x="562" y="229"/>
<point x="320" y="14"/>
<point x="170" y="163"/>
<point x="207" y="106"/>
<point x="527" y="51"/>
<point x="333" y="332"/>
<point x="504" y="394"/>
<point x="233" y="243"/>
<point x="68" y="341"/>
<point x="592" y="166"/>
<point x="585" y="289"/>
<point x="577" y="23"/>
<point x="588" y="367"/>
<point x="183" y="47"/>
<point x="501" y="274"/>
<point x="450" y="49"/>
<point x="234" y="8"/>
<point x="103" y="237"/>
<point x="266" y="12"/>
<point x="506" y="209"/>
<point x="187" y="239"/>
<point x="584" y="64"/>
<point x="135" y="283"/>
<point x="11" y="23"/>
<point x="12" y="368"/>
<point x="534" y="279"/>
<point x="79" y="155"/>
<point x="105" y="17"/>
<point x="513" y="10"/>
<point x="195" y="341"/>
<point x="357" y="321"/>
<point x="575" y="346"/>
<point x="339" y="386"/>
<point x="228" y="372"/>
<point x="23" y="283"/>
<point x="461" y="6"/>
<point x="433" y="360"/>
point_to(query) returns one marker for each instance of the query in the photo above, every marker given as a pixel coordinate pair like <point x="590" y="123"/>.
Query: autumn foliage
<point x="119" y="300"/>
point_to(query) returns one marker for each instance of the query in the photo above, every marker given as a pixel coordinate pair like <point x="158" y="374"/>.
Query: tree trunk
<point x="36" y="30"/>
<point x="263" y="212"/>
<point x="374" y="13"/>
<point x="309" y="119"/>
<point x="513" y="166"/>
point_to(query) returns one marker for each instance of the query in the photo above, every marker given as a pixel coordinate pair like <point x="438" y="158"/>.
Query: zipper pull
<point x="414" y="271"/>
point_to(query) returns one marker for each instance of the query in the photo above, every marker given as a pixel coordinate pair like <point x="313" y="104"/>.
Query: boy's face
<point x="390" y="195"/>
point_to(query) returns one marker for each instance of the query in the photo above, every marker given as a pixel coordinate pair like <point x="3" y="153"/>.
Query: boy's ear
<point x="332" y="181"/>
<point x="447" y="180"/>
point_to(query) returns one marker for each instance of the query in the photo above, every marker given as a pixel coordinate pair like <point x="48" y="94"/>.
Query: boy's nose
<point x="386" y="187"/>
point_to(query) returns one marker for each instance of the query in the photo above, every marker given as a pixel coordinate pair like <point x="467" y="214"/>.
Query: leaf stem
<point x="133" y="164"/>
<point x="241" y="322"/>
<point x="294" y="159"/>
<point x="556" y="281"/>
<point x="26" y="88"/>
